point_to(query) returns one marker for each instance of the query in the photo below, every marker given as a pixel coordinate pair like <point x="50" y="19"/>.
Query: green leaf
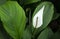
<point x="55" y="16"/>
<point x="13" y="18"/>
<point x="2" y="1"/>
<point x="27" y="34"/>
<point x="47" y="13"/>
<point x="46" y="34"/>
<point x="30" y="1"/>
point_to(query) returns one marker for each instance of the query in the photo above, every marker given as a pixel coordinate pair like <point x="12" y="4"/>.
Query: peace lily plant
<point x="17" y="23"/>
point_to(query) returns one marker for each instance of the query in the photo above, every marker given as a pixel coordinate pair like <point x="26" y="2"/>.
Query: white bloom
<point x="38" y="18"/>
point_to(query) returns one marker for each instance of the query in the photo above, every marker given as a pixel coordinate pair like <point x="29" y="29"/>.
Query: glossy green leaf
<point x="13" y="18"/>
<point x="46" y="34"/>
<point x="47" y="13"/>
<point x="30" y="1"/>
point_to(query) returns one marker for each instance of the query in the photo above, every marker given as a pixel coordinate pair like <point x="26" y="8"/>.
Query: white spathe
<point x="38" y="18"/>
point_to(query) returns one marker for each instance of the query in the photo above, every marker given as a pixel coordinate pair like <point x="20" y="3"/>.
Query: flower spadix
<point x="38" y="18"/>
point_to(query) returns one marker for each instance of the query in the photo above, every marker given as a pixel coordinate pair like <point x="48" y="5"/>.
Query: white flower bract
<point x="38" y="18"/>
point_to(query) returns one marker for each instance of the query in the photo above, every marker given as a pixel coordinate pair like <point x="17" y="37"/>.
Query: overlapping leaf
<point x="13" y="18"/>
<point x="47" y="13"/>
<point x="46" y="34"/>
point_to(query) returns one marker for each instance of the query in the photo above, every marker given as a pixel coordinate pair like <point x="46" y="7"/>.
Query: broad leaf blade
<point x="46" y="34"/>
<point x="13" y="18"/>
<point x="47" y="13"/>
